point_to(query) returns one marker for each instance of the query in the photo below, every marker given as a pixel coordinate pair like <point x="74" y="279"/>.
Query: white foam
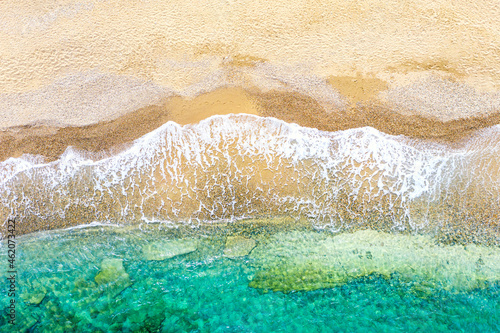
<point x="215" y="170"/>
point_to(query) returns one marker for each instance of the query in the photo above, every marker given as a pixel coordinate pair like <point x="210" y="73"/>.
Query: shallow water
<point x="205" y="290"/>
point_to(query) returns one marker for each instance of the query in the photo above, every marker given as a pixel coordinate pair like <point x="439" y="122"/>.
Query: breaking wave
<point x="241" y="166"/>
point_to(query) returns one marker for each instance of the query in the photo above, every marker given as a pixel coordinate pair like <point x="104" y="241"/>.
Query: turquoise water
<point x="205" y="291"/>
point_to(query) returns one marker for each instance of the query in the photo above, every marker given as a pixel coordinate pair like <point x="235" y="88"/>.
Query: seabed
<point x="230" y="279"/>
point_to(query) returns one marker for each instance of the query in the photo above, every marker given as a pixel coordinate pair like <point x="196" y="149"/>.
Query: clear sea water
<point x="204" y="291"/>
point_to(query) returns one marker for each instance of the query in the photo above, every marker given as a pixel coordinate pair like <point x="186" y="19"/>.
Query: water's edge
<point x="242" y="166"/>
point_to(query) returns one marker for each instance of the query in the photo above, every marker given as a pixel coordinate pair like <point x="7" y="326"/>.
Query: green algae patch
<point x="165" y="249"/>
<point x="308" y="261"/>
<point x="238" y="246"/>
<point x="113" y="277"/>
<point x="35" y="296"/>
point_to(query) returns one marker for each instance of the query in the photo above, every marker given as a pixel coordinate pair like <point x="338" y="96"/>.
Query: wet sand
<point x="111" y="136"/>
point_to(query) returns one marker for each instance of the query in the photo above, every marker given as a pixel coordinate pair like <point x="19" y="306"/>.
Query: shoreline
<point x="455" y="189"/>
<point x="109" y="137"/>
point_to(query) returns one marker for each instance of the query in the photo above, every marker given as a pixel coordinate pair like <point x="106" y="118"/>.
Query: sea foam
<point x="238" y="166"/>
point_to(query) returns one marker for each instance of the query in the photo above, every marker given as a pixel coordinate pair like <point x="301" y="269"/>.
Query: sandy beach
<point x="97" y="74"/>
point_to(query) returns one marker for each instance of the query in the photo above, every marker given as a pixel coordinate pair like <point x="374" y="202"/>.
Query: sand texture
<point x="69" y="63"/>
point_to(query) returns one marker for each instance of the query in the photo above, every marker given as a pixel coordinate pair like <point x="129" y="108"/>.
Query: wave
<point x="240" y="166"/>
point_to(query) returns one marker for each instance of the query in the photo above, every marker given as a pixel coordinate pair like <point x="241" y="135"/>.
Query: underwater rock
<point x="238" y="246"/>
<point x="113" y="276"/>
<point x="35" y="290"/>
<point x="308" y="261"/>
<point x="35" y="297"/>
<point x="165" y="249"/>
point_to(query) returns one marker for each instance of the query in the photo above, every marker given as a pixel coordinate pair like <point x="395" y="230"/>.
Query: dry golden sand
<point x="110" y="136"/>
<point x="46" y="40"/>
<point x="72" y="62"/>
